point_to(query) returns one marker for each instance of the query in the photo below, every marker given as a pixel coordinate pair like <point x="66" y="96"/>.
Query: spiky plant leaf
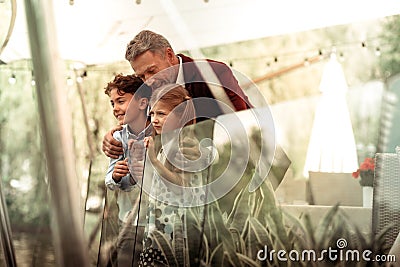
<point x="238" y="240"/>
<point x="225" y="237"/>
<point x="194" y="220"/>
<point x="165" y="246"/>
<point x="242" y="211"/>
<point x="325" y="225"/>
<point x="268" y="201"/>
<point x="235" y="205"/>
<point x="276" y="216"/>
<point x="296" y="233"/>
<point x="253" y="246"/>
<point x="260" y="232"/>
<point x="178" y="241"/>
<point x="217" y="256"/>
<point x="311" y="242"/>
<point x="209" y="228"/>
<point x="247" y="261"/>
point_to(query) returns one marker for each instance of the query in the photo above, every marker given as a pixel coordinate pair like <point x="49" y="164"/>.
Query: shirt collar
<point x="146" y="132"/>
<point x="180" y="79"/>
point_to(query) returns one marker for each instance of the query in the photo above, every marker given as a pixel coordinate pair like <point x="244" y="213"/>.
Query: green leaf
<point x="260" y="232"/>
<point x="325" y="224"/>
<point x="310" y="231"/>
<point x="226" y="238"/>
<point x="238" y="240"/>
<point x="247" y="261"/>
<point x="217" y="256"/>
<point x="194" y="234"/>
<point x="242" y="211"/>
<point x="179" y="241"/>
<point x="165" y="246"/>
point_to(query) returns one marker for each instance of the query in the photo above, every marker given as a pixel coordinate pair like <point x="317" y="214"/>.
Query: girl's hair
<point x="177" y="98"/>
<point x="128" y="84"/>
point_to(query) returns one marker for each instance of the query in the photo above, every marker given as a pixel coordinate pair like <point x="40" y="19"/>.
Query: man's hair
<point x="146" y="41"/>
<point x="129" y="84"/>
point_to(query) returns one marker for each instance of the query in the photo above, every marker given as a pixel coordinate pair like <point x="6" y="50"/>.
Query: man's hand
<point x="120" y="170"/>
<point x="111" y="147"/>
<point x="189" y="149"/>
<point x="136" y="163"/>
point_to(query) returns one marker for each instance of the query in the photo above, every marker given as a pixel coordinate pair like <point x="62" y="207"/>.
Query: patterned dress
<point x="168" y="205"/>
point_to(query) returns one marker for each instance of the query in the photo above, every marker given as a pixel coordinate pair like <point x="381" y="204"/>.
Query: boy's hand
<point x="120" y="170"/>
<point x="111" y="147"/>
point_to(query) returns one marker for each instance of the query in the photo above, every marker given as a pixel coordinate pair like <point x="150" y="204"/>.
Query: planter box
<point x="332" y="188"/>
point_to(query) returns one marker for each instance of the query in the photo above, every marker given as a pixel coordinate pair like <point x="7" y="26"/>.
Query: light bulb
<point x="12" y="79"/>
<point x="70" y="82"/>
<point x="377" y="51"/>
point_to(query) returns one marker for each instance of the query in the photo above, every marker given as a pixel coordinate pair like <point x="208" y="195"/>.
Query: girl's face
<point x="159" y="114"/>
<point x="120" y="104"/>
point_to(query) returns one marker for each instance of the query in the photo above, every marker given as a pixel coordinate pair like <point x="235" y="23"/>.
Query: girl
<point x="173" y="187"/>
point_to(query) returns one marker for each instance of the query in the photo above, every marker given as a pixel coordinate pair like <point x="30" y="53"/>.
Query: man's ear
<point x="170" y="55"/>
<point x="143" y="103"/>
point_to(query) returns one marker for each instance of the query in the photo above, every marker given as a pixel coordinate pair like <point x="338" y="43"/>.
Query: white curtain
<point x="332" y="147"/>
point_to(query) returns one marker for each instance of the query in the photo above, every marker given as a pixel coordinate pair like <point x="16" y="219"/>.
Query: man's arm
<point x="235" y="93"/>
<point x="112" y="148"/>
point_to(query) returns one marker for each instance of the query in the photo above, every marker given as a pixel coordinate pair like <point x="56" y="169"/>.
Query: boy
<point x="129" y="97"/>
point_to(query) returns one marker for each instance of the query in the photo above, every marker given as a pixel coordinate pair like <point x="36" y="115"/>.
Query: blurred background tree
<point x="390" y="36"/>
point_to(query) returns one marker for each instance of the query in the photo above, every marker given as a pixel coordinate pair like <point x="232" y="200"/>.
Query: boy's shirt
<point x="123" y="136"/>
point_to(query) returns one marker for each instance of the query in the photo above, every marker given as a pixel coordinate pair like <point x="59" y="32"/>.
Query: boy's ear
<point x="143" y="103"/>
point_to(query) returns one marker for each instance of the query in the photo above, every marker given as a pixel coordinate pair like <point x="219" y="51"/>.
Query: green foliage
<point x="237" y="240"/>
<point x="390" y="58"/>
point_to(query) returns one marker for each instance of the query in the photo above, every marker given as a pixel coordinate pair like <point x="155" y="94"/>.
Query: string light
<point x="377" y="51"/>
<point x="12" y="80"/>
<point x="70" y="82"/>
<point x="363" y="45"/>
<point x="33" y="82"/>
<point x="341" y="56"/>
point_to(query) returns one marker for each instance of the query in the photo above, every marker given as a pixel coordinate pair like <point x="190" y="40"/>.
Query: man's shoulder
<point x="186" y="59"/>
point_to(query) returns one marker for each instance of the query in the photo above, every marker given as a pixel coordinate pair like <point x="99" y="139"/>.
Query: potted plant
<point x="365" y="174"/>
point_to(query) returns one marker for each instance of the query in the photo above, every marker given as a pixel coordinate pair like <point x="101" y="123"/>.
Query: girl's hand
<point x="149" y="144"/>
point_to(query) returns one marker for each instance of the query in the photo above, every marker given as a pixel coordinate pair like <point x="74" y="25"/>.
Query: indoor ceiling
<point x="97" y="31"/>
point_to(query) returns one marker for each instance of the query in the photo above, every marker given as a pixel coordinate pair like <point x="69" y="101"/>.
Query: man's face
<point x="155" y="69"/>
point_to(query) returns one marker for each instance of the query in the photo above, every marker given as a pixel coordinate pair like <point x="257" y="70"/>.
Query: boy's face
<point x="120" y="104"/>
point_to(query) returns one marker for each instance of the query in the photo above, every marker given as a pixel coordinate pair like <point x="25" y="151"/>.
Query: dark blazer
<point x="197" y="87"/>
